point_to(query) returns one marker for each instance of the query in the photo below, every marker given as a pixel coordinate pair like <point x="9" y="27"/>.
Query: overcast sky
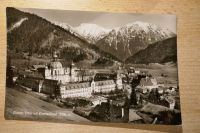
<point x="104" y="19"/>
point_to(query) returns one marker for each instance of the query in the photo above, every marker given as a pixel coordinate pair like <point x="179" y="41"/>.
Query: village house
<point x="161" y="90"/>
<point x="137" y="71"/>
<point x="169" y="102"/>
<point x="40" y="85"/>
<point x="110" y="111"/>
<point x="147" y="84"/>
<point x="170" y="90"/>
<point x="97" y="100"/>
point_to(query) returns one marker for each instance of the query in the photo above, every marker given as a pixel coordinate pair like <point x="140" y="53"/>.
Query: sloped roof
<point x="148" y="82"/>
<point x="118" y="102"/>
<point x="95" y="98"/>
<point x="142" y="89"/>
<point x="38" y="66"/>
<point x="31" y="74"/>
<point x="55" y="64"/>
<point x="153" y="108"/>
<point x="87" y="84"/>
<point x="133" y="116"/>
<point x="77" y="85"/>
<point x="105" y="82"/>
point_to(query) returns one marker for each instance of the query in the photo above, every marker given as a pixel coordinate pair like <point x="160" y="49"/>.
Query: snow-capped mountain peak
<point x="148" y="27"/>
<point x="123" y="41"/>
<point x="91" y="32"/>
<point x="86" y="28"/>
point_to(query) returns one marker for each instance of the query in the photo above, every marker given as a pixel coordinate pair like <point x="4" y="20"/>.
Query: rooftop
<point x="148" y="82"/>
<point x="77" y="85"/>
<point x="133" y="116"/>
<point x="55" y="65"/>
<point x="87" y="84"/>
<point x="105" y="82"/>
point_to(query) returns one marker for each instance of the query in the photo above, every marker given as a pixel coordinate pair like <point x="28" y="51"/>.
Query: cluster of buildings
<point x="148" y="84"/>
<point x="55" y="71"/>
<point x="68" y="82"/>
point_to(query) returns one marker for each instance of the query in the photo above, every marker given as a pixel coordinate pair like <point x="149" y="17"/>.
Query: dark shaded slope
<point x="127" y="40"/>
<point x="37" y="36"/>
<point x="159" y="52"/>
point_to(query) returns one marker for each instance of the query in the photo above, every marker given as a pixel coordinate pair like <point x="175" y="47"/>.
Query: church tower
<point x="55" y="69"/>
<point x="72" y="72"/>
<point x="93" y="86"/>
<point x="55" y="57"/>
<point x="119" y="81"/>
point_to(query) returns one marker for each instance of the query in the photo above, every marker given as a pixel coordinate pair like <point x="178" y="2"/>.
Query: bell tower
<point x="55" y="56"/>
<point x="72" y="72"/>
<point x="119" y="81"/>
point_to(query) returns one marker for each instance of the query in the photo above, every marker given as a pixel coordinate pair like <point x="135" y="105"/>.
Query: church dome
<point x="55" y="65"/>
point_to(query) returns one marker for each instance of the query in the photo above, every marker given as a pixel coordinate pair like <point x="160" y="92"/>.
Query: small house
<point x="147" y="84"/>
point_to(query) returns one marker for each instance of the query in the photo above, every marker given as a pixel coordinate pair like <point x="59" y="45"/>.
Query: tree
<point x="135" y="82"/>
<point x="133" y="98"/>
<point x="57" y="91"/>
<point x="9" y="73"/>
<point x="154" y="96"/>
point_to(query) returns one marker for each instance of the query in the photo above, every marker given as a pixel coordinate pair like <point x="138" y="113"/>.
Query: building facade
<point x="147" y="84"/>
<point x="55" y="71"/>
<point x="86" y="89"/>
<point x="67" y="82"/>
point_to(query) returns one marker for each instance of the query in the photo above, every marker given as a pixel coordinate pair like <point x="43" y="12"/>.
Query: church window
<point x="55" y="73"/>
<point x="52" y="72"/>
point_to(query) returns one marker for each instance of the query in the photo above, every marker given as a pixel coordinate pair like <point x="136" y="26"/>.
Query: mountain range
<point x="122" y="42"/>
<point x="127" y="40"/>
<point x="92" y="33"/>
<point x="29" y="32"/>
<point x="36" y="36"/>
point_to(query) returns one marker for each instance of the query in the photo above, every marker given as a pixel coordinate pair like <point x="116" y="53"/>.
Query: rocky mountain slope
<point x="127" y="40"/>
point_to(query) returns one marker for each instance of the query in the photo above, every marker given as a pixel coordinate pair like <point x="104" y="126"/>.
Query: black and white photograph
<point x="91" y="67"/>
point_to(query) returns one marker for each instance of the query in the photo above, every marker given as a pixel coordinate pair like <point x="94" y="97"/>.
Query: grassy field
<point x="20" y="105"/>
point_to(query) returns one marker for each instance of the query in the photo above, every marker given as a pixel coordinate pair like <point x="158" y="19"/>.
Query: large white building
<point x="69" y="82"/>
<point x="55" y="71"/>
<point x="86" y="89"/>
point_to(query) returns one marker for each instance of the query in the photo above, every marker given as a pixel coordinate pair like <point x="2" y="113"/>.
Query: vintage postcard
<point x="89" y="67"/>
